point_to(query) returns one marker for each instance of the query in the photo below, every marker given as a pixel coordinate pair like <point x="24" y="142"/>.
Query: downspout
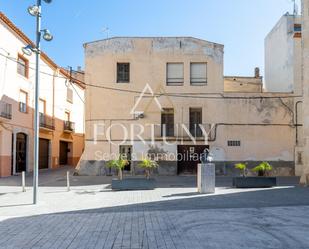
<point x="296" y="120"/>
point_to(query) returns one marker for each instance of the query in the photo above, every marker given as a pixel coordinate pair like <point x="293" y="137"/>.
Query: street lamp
<point x="47" y="36"/>
<point x="36" y="12"/>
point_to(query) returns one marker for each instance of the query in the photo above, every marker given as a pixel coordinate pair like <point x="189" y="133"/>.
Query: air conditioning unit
<point x="139" y="115"/>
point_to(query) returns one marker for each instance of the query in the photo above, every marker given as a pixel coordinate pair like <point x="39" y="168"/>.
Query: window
<point x="174" y="74"/>
<point x="297" y="27"/>
<point x="66" y="116"/>
<point x="42" y="106"/>
<point x="23" y="101"/>
<point x="233" y="143"/>
<point x="195" y="121"/>
<point x="198" y="73"/>
<point x="22" y="66"/>
<point x="69" y="95"/>
<point x="123" y="72"/>
<point x="167" y="122"/>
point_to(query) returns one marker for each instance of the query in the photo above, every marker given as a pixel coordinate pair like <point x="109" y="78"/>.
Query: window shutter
<point x="69" y="95"/>
<point x="175" y="73"/>
<point x="198" y="73"/>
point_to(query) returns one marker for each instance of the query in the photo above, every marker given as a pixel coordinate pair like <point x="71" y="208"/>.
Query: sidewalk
<point x="91" y="215"/>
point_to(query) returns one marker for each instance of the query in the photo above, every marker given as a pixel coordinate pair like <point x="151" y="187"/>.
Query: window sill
<point x="198" y="84"/>
<point x="175" y="84"/>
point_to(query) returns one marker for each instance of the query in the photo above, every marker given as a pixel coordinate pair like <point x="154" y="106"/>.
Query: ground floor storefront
<point x="56" y="149"/>
<point x="183" y="158"/>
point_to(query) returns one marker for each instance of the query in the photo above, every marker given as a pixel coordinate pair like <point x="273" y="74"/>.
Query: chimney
<point x="257" y="72"/>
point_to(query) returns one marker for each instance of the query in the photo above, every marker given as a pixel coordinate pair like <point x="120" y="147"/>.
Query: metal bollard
<point x="23" y="181"/>
<point x="68" y="181"/>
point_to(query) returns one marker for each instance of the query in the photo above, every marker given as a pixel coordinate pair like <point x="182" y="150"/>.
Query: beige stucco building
<point x="61" y="108"/>
<point x="244" y="84"/>
<point x="166" y="95"/>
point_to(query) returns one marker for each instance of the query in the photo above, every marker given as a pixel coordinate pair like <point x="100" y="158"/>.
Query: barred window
<point x="123" y="72"/>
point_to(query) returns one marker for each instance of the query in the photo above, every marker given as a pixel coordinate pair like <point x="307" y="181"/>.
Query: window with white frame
<point x="198" y="73"/>
<point x="23" y="100"/>
<point x="174" y="74"/>
<point x="22" y="66"/>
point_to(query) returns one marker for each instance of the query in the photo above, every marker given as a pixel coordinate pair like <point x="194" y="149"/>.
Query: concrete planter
<point x="134" y="184"/>
<point x="254" y="182"/>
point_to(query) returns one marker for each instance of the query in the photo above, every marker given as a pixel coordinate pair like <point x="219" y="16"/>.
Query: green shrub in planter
<point x="263" y="168"/>
<point x="148" y="165"/>
<point x="118" y="164"/>
<point x="242" y="167"/>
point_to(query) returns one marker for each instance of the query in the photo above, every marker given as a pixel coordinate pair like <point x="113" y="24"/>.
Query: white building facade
<point x="61" y="107"/>
<point x="283" y="56"/>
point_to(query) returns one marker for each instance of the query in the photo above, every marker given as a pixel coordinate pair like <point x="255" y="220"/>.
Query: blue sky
<point x="241" y="25"/>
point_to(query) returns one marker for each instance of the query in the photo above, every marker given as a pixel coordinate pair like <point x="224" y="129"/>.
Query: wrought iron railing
<point x="46" y="122"/>
<point x="68" y="126"/>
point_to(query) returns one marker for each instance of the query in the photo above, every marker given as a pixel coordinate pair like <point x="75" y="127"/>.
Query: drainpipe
<point x="296" y="120"/>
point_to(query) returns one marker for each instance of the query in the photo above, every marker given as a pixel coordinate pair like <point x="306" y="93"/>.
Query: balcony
<point x="46" y="122"/>
<point x="68" y="126"/>
<point x="5" y="110"/>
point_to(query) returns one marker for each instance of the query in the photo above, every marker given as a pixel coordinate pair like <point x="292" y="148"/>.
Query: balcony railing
<point x="46" y="122"/>
<point x="68" y="126"/>
<point x="5" y="110"/>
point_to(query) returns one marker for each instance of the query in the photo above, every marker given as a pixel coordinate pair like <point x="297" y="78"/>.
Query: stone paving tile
<point x="94" y="217"/>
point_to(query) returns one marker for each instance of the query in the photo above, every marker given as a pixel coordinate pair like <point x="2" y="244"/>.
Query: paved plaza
<point x="91" y="215"/>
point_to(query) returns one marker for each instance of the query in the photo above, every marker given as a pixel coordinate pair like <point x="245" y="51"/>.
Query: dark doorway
<point x="126" y="153"/>
<point x="188" y="157"/>
<point x="21" y="152"/>
<point x="64" y="149"/>
<point x="43" y="153"/>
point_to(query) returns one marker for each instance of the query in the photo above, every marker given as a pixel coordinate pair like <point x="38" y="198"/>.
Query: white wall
<point x="11" y="82"/>
<point x="281" y="56"/>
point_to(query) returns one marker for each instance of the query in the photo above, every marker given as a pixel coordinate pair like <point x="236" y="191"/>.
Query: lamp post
<point x="36" y="12"/>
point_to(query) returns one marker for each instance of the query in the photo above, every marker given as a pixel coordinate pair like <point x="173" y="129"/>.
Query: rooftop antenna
<point x="106" y="30"/>
<point x="295" y="8"/>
